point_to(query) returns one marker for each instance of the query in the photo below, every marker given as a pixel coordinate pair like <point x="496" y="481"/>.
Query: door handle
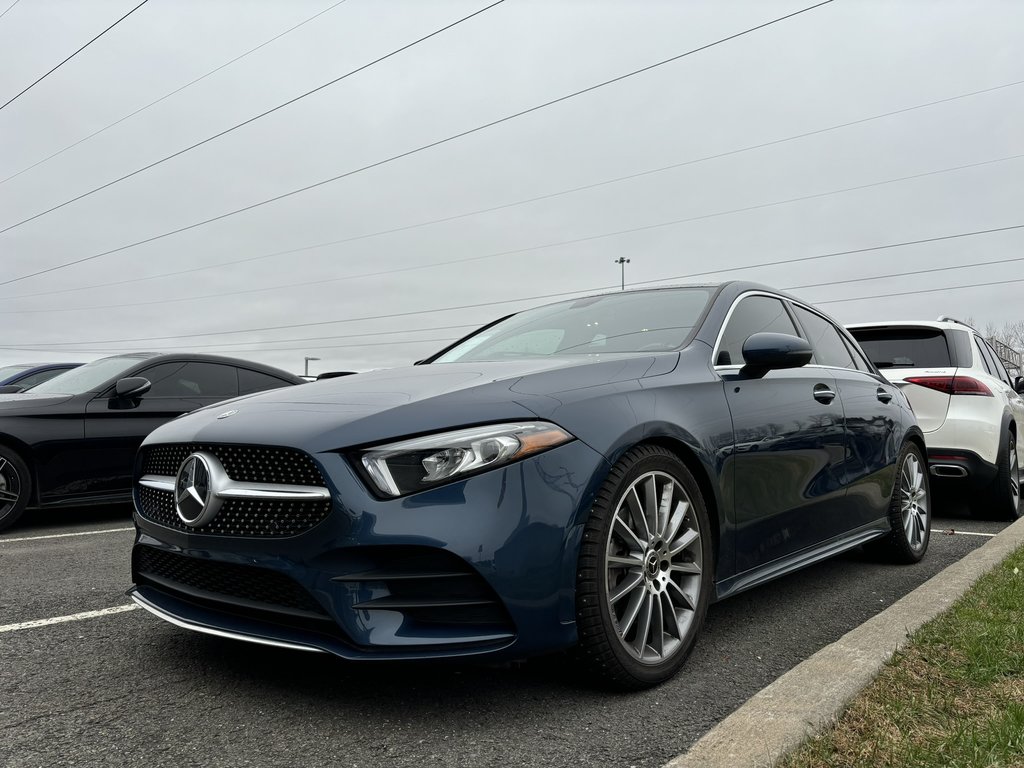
<point x="823" y="394"/>
<point x="883" y="395"/>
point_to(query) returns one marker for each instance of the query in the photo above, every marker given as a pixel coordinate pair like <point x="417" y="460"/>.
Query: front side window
<point x="829" y="347"/>
<point x="189" y="380"/>
<point x="754" y="314"/>
<point x="615" y="323"/>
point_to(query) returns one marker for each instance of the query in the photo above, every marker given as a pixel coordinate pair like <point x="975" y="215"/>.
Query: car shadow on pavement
<point x="99" y="516"/>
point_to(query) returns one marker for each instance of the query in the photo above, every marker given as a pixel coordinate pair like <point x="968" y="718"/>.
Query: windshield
<point x="9" y="370"/>
<point x="615" y="323"/>
<point x="86" y="378"/>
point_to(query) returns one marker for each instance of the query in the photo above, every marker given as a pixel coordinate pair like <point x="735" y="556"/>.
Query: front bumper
<point x="485" y="566"/>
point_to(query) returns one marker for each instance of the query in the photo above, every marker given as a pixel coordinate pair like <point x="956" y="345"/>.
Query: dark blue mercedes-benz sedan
<point x="588" y="475"/>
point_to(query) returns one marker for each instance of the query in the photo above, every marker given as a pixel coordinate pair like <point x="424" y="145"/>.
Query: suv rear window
<point x="904" y="347"/>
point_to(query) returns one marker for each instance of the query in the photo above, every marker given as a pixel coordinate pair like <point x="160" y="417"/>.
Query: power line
<point x="510" y="301"/>
<point x="272" y="349"/>
<point x="913" y="273"/>
<point x="830" y="255"/>
<point x="516" y="251"/>
<point x="171" y="93"/>
<point x="319" y="323"/>
<point x="223" y="345"/>
<point x="407" y="153"/>
<point x="69" y="58"/>
<point x="9" y="8"/>
<point x="923" y="290"/>
<point x="526" y="201"/>
<point x="261" y="115"/>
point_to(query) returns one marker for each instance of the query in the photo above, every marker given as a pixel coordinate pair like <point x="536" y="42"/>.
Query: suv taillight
<point x="952" y="385"/>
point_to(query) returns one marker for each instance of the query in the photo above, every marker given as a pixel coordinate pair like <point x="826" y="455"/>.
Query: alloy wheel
<point x="10" y="486"/>
<point x="653" y="567"/>
<point x="913" y="502"/>
<point x="1014" y="475"/>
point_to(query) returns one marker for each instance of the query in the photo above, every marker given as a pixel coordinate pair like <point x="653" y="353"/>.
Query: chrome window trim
<point x="728" y="317"/>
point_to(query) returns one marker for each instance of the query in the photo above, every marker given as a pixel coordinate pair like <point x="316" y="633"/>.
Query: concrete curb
<point x="777" y="719"/>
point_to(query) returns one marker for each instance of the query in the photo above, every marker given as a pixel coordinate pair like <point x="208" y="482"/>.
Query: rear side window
<point x="253" y="381"/>
<point x="754" y="314"/>
<point x="196" y="380"/>
<point x="829" y="347"/>
<point x="904" y="347"/>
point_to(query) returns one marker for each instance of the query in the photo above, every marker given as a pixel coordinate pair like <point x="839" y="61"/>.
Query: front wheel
<point x="645" y="571"/>
<point x="910" y="516"/>
<point x="15" y="487"/>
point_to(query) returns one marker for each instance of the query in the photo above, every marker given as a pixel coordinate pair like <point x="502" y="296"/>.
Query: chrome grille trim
<point x="233" y="489"/>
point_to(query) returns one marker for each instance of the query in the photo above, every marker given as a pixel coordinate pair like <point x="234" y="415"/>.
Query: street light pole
<point x="622" y="261"/>
<point x="307" y="363"/>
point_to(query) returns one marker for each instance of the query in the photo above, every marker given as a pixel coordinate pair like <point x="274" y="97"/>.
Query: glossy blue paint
<point x="788" y="479"/>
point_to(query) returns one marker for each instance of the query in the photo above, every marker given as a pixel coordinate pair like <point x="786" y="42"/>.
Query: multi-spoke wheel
<point x="15" y="487"/>
<point x="1003" y="498"/>
<point x="910" y="516"/>
<point x="645" y="570"/>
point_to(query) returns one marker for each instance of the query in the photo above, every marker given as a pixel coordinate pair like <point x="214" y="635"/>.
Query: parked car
<point x="578" y="474"/>
<point x="17" y="378"/>
<point x="72" y="440"/>
<point x="966" y="403"/>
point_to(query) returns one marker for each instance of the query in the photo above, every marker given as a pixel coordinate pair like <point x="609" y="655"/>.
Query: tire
<point x="910" y="513"/>
<point x="15" y="487"/>
<point x="653" y="573"/>
<point x="1002" y="499"/>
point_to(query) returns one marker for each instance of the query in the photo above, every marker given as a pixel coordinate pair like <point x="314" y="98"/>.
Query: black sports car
<point x="589" y="473"/>
<point x="72" y="439"/>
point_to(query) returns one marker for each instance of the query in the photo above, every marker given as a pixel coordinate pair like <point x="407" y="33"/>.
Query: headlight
<point x="414" y="465"/>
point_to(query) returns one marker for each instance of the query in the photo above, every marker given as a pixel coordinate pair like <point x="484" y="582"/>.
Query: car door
<point x="871" y="417"/>
<point x="115" y="427"/>
<point x="789" y="442"/>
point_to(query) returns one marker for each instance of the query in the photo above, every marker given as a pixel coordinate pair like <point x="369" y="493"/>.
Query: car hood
<point x="387" y="404"/>
<point x="26" y="401"/>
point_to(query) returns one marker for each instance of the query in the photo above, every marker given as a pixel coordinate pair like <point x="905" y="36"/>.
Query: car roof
<point x="941" y="325"/>
<point x="174" y="357"/>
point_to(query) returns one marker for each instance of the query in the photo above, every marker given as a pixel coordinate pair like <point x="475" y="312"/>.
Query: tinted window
<point x="38" y="378"/>
<point x="192" y="380"/>
<point x="986" y="358"/>
<point x="904" y="347"/>
<point x="859" y="361"/>
<point x="754" y="314"/>
<point x="252" y="381"/>
<point x="1000" y="367"/>
<point x="829" y="347"/>
<point x="630" y="322"/>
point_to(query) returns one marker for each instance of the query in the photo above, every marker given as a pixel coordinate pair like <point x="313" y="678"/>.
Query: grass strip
<point x="952" y="698"/>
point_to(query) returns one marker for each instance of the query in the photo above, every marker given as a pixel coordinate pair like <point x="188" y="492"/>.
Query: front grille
<point x="238" y="517"/>
<point x="244" y="585"/>
<point x="244" y="463"/>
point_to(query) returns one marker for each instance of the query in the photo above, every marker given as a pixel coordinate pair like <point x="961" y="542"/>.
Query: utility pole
<point x="622" y="261"/>
<point x="307" y="363"/>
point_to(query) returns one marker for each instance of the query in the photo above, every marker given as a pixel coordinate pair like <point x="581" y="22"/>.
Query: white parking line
<point x="64" y="535"/>
<point x="954" y="532"/>
<point x="64" y="619"/>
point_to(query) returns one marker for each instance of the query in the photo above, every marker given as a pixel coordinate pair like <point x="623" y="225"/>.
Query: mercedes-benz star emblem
<point x="195" y="498"/>
<point x="224" y="415"/>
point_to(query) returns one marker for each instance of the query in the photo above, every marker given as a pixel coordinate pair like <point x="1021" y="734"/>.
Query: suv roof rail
<point x="948" y="319"/>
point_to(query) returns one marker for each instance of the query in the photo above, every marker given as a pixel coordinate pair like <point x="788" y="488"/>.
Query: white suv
<point x="966" y="403"/>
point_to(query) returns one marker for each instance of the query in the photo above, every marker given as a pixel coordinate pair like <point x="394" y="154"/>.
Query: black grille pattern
<point x="195" y="577"/>
<point x="244" y="463"/>
<point x="239" y="517"/>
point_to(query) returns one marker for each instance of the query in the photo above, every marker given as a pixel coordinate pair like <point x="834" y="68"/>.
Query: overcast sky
<point x="842" y="62"/>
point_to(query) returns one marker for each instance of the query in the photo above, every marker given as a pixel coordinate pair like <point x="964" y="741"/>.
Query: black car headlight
<point x="405" y="467"/>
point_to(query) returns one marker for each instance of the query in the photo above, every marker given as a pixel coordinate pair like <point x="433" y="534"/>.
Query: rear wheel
<point x="910" y="514"/>
<point x="645" y="571"/>
<point x="1002" y="501"/>
<point x="15" y="487"/>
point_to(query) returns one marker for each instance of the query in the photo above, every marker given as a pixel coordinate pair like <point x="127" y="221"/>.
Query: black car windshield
<point x="10" y="370"/>
<point x="86" y="378"/>
<point x="614" y="323"/>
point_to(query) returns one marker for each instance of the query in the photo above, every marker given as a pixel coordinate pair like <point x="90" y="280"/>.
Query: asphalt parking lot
<point x="125" y="688"/>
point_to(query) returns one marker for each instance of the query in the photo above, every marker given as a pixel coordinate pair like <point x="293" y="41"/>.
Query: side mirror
<point x="1018" y="385"/>
<point x="763" y="352"/>
<point x="134" y="386"/>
